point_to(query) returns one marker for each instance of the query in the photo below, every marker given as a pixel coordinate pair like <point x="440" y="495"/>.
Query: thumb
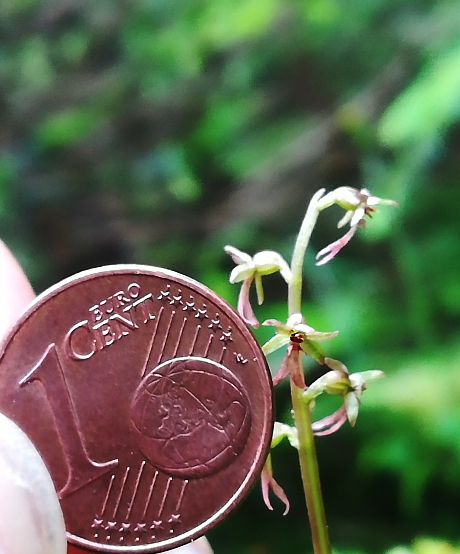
<point x="31" y="520"/>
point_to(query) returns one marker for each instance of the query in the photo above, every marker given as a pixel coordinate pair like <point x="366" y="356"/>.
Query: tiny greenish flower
<point x="298" y="336"/>
<point x="340" y="382"/>
<point x="332" y="382"/>
<point x="253" y="268"/>
<point x="357" y="203"/>
<point x="283" y="430"/>
<point x="296" y="331"/>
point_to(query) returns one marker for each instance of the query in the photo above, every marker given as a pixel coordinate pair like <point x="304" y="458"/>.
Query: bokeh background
<point x="157" y="131"/>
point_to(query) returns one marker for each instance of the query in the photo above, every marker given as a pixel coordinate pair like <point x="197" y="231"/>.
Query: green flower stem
<point x="301" y="409"/>
<point x="298" y="256"/>
<point x="310" y="473"/>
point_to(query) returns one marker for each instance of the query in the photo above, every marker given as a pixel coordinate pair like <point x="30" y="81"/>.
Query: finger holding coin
<point x="31" y="520"/>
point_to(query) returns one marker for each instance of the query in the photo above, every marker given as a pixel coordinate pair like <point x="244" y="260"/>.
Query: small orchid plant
<point x="300" y="339"/>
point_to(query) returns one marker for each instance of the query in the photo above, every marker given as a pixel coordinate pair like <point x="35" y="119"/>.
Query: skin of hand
<point x="18" y="294"/>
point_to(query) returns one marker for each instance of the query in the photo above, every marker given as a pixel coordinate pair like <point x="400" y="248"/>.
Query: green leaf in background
<point x="9" y="8"/>
<point x="228" y="22"/>
<point x="426" y="546"/>
<point x="225" y="119"/>
<point x="428" y="106"/>
<point x="35" y="66"/>
<point x="66" y="127"/>
<point x="7" y="174"/>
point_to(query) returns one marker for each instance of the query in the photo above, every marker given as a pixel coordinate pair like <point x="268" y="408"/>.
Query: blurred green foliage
<point x="156" y="131"/>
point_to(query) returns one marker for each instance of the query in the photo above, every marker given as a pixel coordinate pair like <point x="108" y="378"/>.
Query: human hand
<point x="30" y="518"/>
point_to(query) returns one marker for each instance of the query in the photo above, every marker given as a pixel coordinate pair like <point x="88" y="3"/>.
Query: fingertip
<point x="29" y="509"/>
<point x="16" y="291"/>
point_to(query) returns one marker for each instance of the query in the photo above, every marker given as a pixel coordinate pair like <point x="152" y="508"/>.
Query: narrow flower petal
<point x="352" y="407"/>
<point x="334" y="248"/>
<point x="274" y="323"/>
<point x="283" y="371"/>
<point x="303" y="328"/>
<point x="240" y="273"/>
<point x="365" y="377"/>
<point x="374" y="200"/>
<point x="238" y="256"/>
<point x="294" y="320"/>
<point x="276" y="342"/>
<point x="268" y="482"/>
<point x="335" y="364"/>
<point x="358" y="216"/>
<point x="345" y="219"/>
<point x="318" y="335"/>
<point x="330" y="424"/>
<point x="244" y="304"/>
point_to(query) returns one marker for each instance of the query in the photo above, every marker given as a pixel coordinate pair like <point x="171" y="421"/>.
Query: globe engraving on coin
<point x="147" y="397"/>
<point x="192" y="417"/>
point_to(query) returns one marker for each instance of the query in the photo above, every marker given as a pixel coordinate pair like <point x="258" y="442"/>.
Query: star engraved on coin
<point x="165" y="294"/>
<point x="140" y="528"/>
<point x="176" y="300"/>
<point x="215" y="323"/>
<point x="202" y="313"/>
<point x="189" y="306"/>
<point x="174" y="520"/>
<point x="156" y="526"/>
<point x="152" y="428"/>
<point x="125" y="528"/>
<point x="226" y="336"/>
<point x="97" y="523"/>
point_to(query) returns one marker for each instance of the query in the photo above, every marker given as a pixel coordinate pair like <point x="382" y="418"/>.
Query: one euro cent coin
<point x="148" y="399"/>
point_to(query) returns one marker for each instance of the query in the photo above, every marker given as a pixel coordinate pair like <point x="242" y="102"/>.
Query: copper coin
<point x="149" y="400"/>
